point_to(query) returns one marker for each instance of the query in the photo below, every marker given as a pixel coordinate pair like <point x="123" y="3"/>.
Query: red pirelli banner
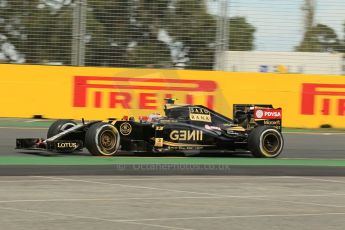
<point x="148" y="91"/>
<point x="101" y="93"/>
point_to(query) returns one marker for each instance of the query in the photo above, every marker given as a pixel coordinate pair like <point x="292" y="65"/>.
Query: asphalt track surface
<point x="172" y="202"/>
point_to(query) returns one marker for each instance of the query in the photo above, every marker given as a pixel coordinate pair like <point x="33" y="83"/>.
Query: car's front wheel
<point x="60" y="126"/>
<point x="265" y="141"/>
<point x="102" y="139"/>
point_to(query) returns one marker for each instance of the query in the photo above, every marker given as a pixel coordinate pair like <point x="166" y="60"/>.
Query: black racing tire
<point x="265" y="142"/>
<point x="102" y="139"/>
<point x="60" y="126"/>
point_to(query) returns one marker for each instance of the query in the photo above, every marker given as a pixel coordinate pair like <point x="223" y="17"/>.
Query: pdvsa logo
<point x="139" y="93"/>
<point x="272" y="114"/>
<point x="259" y="113"/>
<point x="267" y="114"/>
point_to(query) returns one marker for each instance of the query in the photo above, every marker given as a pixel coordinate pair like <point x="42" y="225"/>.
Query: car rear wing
<point x="252" y="115"/>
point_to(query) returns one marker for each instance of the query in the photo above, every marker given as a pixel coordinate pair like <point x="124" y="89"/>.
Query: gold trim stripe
<point x="168" y="143"/>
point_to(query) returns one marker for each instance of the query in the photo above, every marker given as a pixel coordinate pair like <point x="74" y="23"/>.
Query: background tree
<point x="108" y="31"/>
<point x="11" y="31"/>
<point x="241" y="34"/>
<point x="342" y="42"/>
<point x="124" y="33"/>
<point x="38" y="33"/>
<point x="195" y="29"/>
<point x="320" y="38"/>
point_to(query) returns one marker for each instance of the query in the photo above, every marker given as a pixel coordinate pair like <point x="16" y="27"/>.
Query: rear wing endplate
<point x="252" y="115"/>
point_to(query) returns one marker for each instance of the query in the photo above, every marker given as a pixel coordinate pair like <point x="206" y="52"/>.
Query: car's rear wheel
<point x="60" y="126"/>
<point x="265" y="141"/>
<point x="102" y="139"/>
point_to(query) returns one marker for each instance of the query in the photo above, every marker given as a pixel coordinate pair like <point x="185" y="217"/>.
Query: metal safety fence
<point x="297" y="36"/>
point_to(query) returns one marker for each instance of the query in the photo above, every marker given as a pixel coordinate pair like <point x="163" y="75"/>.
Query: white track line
<point x="323" y="180"/>
<point x="238" y="216"/>
<point x="176" y="198"/>
<point x="91" y="218"/>
<point x="192" y="192"/>
<point x="301" y="203"/>
<point x="111" y="199"/>
<point x="132" y="186"/>
<point x="139" y="221"/>
<point x="136" y="221"/>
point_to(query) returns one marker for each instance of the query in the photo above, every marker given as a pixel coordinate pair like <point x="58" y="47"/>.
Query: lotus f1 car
<point x="188" y="129"/>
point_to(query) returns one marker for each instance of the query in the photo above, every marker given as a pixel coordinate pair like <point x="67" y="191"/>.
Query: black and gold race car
<point x="187" y="129"/>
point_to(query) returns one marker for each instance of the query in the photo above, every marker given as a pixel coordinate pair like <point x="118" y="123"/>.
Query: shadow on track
<point x="146" y="154"/>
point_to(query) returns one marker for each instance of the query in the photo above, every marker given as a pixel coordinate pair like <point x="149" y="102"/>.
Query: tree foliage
<point x="160" y="33"/>
<point x="320" y="38"/>
<point x="37" y="33"/>
<point x="241" y="34"/>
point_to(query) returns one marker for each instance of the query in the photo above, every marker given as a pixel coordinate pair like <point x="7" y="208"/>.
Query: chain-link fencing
<point x="297" y="36"/>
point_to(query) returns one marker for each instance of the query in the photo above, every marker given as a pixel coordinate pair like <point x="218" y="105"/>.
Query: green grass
<point x="323" y="130"/>
<point x="90" y="160"/>
<point x="25" y="123"/>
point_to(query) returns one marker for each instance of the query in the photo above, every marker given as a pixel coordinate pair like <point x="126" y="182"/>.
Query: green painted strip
<point x="86" y="160"/>
<point x="26" y="123"/>
<point x="297" y="130"/>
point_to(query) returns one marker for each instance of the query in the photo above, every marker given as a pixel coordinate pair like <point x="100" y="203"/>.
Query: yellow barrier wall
<point x="100" y="93"/>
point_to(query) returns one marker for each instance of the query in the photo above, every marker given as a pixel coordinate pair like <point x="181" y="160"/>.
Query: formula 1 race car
<point x="187" y="129"/>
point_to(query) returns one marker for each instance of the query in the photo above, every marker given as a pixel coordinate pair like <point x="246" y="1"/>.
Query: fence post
<point x="79" y="31"/>
<point x="222" y="35"/>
